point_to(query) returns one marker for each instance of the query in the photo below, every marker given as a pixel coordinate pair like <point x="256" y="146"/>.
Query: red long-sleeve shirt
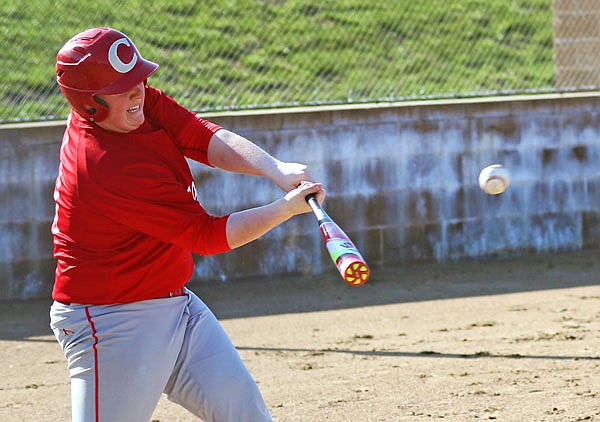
<point x="127" y="218"/>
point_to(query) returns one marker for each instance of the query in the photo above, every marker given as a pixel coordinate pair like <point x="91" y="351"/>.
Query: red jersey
<point x="127" y="217"/>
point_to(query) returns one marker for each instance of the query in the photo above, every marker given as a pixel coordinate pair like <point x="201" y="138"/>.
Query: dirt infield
<point x="510" y="340"/>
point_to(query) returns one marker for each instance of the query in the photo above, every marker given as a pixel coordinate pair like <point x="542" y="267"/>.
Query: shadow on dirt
<point x="398" y="284"/>
<point x="422" y="354"/>
<point x="26" y="320"/>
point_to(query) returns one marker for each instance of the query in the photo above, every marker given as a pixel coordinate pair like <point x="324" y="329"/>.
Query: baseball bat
<point x="344" y="254"/>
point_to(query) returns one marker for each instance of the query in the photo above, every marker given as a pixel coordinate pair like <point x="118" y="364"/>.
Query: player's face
<point x="125" y="110"/>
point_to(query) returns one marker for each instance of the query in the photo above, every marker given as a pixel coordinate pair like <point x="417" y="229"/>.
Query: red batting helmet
<point x="99" y="61"/>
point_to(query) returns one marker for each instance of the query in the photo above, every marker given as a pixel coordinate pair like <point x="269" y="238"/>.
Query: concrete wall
<point x="401" y="181"/>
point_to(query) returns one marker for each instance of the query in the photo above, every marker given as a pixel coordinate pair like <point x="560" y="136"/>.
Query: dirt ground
<point x="508" y="340"/>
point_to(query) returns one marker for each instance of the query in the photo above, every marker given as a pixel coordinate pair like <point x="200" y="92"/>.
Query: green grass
<point x="243" y="54"/>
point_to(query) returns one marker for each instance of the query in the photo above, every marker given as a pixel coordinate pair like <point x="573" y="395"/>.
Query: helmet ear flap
<point x="94" y="112"/>
<point x="100" y="112"/>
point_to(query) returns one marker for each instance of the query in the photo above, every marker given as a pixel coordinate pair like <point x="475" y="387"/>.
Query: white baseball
<point x="494" y="179"/>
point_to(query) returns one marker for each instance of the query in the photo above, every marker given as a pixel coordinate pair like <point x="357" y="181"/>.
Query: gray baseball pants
<point x="122" y="357"/>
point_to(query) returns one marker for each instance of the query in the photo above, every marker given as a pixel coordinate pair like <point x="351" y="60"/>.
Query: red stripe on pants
<point x="94" y="346"/>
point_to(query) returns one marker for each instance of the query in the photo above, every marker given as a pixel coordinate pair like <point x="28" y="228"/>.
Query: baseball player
<point x="126" y="224"/>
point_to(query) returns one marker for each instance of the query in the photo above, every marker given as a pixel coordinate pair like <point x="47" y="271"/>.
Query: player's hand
<point x="290" y="175"/>
<point x="296" y="198"/>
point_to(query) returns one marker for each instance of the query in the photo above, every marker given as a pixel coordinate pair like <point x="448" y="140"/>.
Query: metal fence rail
<point x="249" y="54"/>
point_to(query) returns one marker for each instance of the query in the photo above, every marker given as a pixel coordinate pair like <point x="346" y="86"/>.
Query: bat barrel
<point x="344" y="254"/>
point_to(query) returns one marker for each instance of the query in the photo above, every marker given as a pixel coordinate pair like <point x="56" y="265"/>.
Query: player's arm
<point x="247" y="225"/>
<point x="232" y="152"/>
<point x="206" y="142"/>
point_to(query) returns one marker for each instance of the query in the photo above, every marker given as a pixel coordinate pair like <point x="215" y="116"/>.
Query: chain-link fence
<point x="245" y="54"/>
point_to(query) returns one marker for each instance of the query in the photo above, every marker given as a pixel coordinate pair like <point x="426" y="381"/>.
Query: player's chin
<point x="135" y="120"/>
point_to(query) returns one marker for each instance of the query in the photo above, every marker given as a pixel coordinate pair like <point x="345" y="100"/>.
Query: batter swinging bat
<point x="345" y="255"/>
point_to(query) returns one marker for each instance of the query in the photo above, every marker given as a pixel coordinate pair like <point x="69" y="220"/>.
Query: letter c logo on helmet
<point x="114" y="59"/>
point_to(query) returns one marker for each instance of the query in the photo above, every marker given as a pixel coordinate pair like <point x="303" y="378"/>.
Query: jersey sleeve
<point x="144" y="196"/>
<point x="191" y="133"/>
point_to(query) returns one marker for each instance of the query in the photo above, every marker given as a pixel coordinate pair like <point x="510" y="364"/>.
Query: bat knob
<point x="354" y="270"/>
